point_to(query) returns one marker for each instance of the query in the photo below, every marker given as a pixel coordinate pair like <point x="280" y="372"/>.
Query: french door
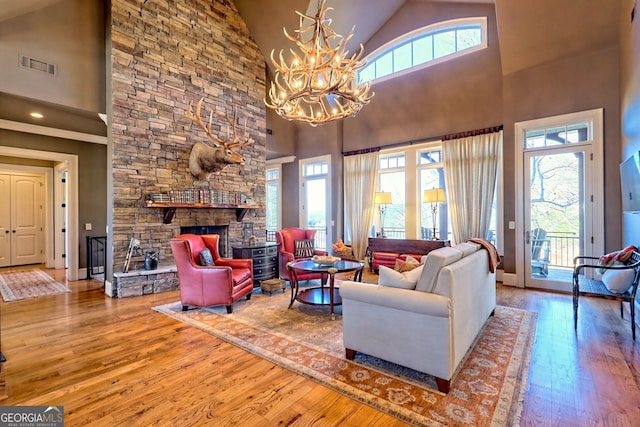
<point x="556" y="221"/>
<point x="560" y="193"/>
<point x="315" y="203"/>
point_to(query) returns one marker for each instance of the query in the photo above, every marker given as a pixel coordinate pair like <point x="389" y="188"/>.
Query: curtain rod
<point x="424" y="140"/>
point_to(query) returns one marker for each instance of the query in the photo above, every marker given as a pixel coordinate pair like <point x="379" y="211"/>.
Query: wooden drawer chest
<point x="265" y="259"/>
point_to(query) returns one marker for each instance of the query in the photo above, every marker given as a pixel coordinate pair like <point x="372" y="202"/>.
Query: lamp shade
<point x="383" y="198"/>
<point x="434" y="195"/>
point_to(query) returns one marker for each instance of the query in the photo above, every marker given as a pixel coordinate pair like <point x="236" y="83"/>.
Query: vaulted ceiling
<point x="530" y="32"/>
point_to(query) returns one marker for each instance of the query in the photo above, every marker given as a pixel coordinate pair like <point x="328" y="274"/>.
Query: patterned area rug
<point x="487" y="390"/>
<point x="18" y="285"/>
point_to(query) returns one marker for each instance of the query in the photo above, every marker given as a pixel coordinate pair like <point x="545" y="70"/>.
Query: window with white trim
<point x="273" y="199"/>
<point x="426" y="46"/>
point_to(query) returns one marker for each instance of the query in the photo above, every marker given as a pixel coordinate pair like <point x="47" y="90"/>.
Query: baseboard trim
<point x="108" y="288"/>
<point x="510" y="279"/>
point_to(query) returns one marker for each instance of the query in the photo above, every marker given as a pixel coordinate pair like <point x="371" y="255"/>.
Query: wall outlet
<point x="512" y="225"/>
<point x="87" y="226"/>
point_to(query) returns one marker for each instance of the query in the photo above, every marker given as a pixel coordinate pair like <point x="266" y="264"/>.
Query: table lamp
<point x="382" y="199"/>
<point x="434" y="196"/>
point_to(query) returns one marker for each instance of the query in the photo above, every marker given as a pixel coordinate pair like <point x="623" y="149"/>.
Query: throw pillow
<point x="618" y="281"/>
<point x="407" y="265"/>
<point x="303" y="248"/>
<point x="394" y="279"/>
<point x="205" y="257"/>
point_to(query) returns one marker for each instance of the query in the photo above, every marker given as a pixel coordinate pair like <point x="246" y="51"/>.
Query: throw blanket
<point x="494" y="256"/>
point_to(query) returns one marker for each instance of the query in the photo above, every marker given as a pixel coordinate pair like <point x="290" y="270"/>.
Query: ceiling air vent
<point x="38" y="65"/>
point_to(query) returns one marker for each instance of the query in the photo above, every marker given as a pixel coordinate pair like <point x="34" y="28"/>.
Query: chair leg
<point x="621" y="309"/>
<point x="632" y="308"/>
<point x="185" y="307"/>
<point x="249" y="296"/>
<point x="575" y="311"/>
<point x="229" y="309"/>
<point x="349" y="353"/>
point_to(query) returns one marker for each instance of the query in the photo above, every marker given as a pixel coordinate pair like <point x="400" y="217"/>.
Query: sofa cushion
<point x="385" y="255"/>
<point x="303" y="248"/>
<point x="395" y="279"/>
<point x="434" y="262"/>
<point x="618" y="281"/>
<point x="467" y="248"/>
<point x="407" y="264"/>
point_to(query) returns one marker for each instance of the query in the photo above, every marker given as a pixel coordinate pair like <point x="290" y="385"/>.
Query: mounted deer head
<point x="206" y="159"/>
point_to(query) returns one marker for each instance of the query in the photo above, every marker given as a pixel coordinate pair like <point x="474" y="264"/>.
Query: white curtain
<point x="470" y="171"/>
<point x="360" y="186"/>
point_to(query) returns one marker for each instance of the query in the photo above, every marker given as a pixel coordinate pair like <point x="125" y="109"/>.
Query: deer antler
<point x="198" y="119"/>
<point x="236" y="138"/>
<point x="232" y="123"/>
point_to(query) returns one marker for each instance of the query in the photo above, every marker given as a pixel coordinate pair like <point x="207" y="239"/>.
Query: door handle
<point x="6" y="231"/>
<point x="13" y="231"/>
<point x="527" y="237"/>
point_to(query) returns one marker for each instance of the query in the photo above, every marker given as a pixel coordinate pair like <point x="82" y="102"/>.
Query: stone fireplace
<point x="221" y="230"/>
<point x="154" y="83"/>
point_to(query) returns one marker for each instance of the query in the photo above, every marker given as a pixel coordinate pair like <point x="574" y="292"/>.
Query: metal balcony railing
<point x="563" y="247"/>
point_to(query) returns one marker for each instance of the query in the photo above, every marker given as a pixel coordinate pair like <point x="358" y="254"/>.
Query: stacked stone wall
<point x="165" y="56"/>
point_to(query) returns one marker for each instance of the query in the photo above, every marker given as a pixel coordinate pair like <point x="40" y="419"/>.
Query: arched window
<point x="426" y="46"/>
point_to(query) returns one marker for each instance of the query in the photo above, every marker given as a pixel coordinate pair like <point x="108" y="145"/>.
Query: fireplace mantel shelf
<point x="170" y="208"/>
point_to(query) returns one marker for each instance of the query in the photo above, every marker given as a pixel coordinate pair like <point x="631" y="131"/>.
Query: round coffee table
<point x="321" y="295"/>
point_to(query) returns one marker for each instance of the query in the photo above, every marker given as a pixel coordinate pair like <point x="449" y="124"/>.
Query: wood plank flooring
<point x="117" y="362"/>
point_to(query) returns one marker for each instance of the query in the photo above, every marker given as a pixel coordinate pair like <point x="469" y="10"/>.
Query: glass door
<point x="555" y="217"/>
<point x="315" y="211"/>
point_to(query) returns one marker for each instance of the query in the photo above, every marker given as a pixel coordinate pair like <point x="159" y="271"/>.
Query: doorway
<point x="71" y="160"/>
<point x="559" y="193"/>
<point x="21" y="218"/>
<point x="315" y="209"/>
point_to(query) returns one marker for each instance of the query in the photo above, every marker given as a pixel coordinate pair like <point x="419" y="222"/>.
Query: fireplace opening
<point x="221" y="230"/>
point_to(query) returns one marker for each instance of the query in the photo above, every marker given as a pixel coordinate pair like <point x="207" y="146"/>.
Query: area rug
<point x="23" y="284"/>
<point x="487" y="389"/>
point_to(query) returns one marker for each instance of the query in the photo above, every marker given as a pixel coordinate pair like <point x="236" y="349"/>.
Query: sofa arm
<point x="396" y="298"/>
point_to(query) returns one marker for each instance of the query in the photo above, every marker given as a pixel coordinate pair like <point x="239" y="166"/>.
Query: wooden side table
<point x="265" y="259"/>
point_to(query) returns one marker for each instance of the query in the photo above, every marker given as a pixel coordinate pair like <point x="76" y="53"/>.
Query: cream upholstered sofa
<point x="427" y="319"/>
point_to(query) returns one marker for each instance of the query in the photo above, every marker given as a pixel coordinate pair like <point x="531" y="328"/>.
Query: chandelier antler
<point x="319" y="85"/>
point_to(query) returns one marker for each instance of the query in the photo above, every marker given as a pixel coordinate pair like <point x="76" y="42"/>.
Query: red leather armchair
<point x="202" y="286"/>
<point x="286" y="249"/>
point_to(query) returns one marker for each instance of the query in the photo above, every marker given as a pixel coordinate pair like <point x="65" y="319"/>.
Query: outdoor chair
<point x="597" y="288"/>
<point x="540" y="252"/>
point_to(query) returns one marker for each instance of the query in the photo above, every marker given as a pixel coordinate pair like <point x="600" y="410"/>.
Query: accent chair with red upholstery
<point x="286" y="239"/>
<point x="223" y="283"/>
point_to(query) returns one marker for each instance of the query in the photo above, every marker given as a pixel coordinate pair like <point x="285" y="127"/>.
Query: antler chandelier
<point x="319" y="85"/>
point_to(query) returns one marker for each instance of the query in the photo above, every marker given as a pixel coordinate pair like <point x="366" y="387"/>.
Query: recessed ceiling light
<point x="36" y="115"/>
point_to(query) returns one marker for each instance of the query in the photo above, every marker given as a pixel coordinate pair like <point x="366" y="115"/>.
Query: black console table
<point x="265" y="259"/>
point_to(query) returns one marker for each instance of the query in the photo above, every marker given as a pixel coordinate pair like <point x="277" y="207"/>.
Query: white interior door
<point x="27" y="218"/>
<point x="5" y="221"/>
<point x="60" y="215"/>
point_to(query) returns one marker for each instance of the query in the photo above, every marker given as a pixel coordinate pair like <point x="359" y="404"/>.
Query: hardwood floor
<point x="117" y="362"/>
